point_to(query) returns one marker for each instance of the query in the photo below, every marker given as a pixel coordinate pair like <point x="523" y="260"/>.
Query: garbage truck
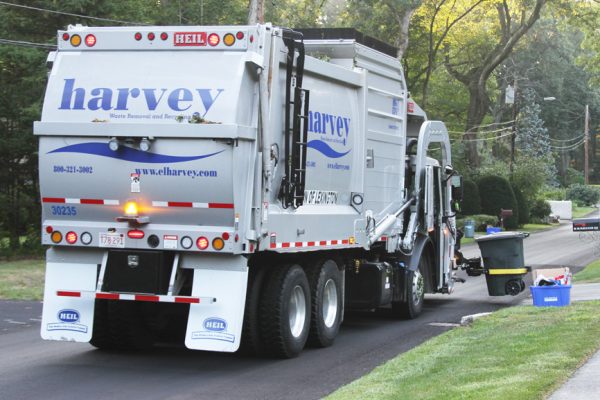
<point x="236" y="186"/>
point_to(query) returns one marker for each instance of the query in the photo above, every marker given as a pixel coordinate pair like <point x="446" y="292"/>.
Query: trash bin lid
<point x="503" y="235"/>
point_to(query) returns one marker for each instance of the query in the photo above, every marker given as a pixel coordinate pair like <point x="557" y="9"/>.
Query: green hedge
<point x="496" y="194"/>
<point x="471" y="204"/>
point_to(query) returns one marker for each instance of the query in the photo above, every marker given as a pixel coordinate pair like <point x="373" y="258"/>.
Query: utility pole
<point x="513" y="138"/>
<point x="586" y="133"/>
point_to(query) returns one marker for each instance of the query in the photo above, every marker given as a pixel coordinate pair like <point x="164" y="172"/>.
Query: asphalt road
<point x="31" y="368"/>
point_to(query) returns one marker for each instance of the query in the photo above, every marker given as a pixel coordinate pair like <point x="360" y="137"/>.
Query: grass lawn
<point x="590" y="274"/>
<point x="22" y="280"/>
<point x="516" y="353"/>
<point x="579" y="212"/>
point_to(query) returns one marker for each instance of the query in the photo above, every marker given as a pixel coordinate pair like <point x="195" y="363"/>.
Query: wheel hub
<point x="418" y="287"/>
<point x="297" y="311"/>
<point x="330" y="303"/>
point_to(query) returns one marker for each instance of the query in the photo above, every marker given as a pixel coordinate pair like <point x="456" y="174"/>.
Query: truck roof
<point x="349" y="33"/>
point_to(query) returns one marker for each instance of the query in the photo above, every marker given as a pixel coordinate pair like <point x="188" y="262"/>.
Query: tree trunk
<point x="256" y="12"/>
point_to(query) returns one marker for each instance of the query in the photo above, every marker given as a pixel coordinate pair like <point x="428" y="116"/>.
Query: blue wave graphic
<point x="127" y="153"/>
<point x="325" y="149"/>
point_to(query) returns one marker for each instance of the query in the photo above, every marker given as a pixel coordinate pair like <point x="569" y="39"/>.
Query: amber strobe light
<point x="131" y="209"/>
<point x="229" y="39"/>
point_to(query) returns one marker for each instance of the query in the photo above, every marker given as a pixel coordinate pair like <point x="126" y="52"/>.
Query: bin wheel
<point x="513" y="287"/>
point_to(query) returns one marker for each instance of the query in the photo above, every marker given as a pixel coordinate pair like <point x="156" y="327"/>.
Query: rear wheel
<point x="251" y="339"/>
<point x="285" y="311"/>
<point x="326" y="305"/>
<point x="412" y="306"/>
<point x="121" y="325"/>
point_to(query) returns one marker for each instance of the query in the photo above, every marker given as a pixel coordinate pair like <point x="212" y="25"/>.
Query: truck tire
<point x="325" y="282"/>
<point x="251" y="342"/>
<point x="284" y="311"/>
<point x="415" y="292"/>
<point x="101" y="338"/>
<point x="128" y="328"/>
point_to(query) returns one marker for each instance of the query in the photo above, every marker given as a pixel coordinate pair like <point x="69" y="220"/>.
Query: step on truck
<point x="235" y="186"/>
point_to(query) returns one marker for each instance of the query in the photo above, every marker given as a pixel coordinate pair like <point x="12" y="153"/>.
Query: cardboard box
<point x="550" y="272"/>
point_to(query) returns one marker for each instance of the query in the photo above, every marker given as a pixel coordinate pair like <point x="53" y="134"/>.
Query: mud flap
<point x="71" y="317"/>
<point x="217" y="326"/>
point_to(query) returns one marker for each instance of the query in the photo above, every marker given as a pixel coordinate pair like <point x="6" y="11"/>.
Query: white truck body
<point x="194" y="135"/>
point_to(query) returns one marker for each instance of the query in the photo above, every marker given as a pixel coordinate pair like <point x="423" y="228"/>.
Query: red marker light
<point x="65" y="36"/>
<point x="71" y="237"/>
<point x="49" y="229"/>
<point x="135" y="234"/>
<point x="213" y="39"/>
<point x="225" y="236"/>
<point x="90" y="40"/>
<point x="138" y="36"/>
<point x="151" y="36"/>
<point x="164" y="36"/>
<point x="251" y="38"/>
<point x="239" y="35"/>
<point x="202" y="243"/>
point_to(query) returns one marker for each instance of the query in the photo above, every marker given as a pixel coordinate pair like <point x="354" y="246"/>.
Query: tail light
<point x="71" y="237"/>
<point x="202" y="243"/>
<point x="136" y="234"/>
<point x="213" y="39"/>
<point x="90" y="40"/>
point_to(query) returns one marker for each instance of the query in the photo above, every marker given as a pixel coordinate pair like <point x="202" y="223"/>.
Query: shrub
<point x="551" y="193"/>
<point x="522" y="206"/>
<point x="583" y="195"/>
<point x="471" y="204"/>
<point x="540" y="210"/>
<point x="496" y="194"/>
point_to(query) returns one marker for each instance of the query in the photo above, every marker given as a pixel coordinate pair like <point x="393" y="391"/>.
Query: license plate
<point x="112" y="240"/>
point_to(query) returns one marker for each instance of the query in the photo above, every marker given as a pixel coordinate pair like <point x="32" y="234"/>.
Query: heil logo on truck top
<point x="189" y="39"/>
<point x="119" y="99"/>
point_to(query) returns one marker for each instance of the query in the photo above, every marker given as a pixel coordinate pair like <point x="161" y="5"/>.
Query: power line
<point x="567" y="140"/>
<point x="484" y="132"/>
<point x="27" y="44"/>
<point x="4" y="3"/>
<point x="485" y="139"/>
<point x="569" y="147"/>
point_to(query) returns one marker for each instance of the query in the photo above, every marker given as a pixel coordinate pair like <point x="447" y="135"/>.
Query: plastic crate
<point x="492" y="229"/>
<point x="551" y="296"/>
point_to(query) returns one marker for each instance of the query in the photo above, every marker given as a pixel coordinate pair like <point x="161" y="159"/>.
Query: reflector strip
<point x="68" y="294"/>
<point x="189" y="204"/>
<point x="138" y="297"/>
<point x="507" y="271"/>
<point x="65" y="200"/>
<point x="322" y="243"/>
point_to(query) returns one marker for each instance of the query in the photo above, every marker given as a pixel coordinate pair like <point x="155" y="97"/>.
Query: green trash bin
<point x="504" y="262"/>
